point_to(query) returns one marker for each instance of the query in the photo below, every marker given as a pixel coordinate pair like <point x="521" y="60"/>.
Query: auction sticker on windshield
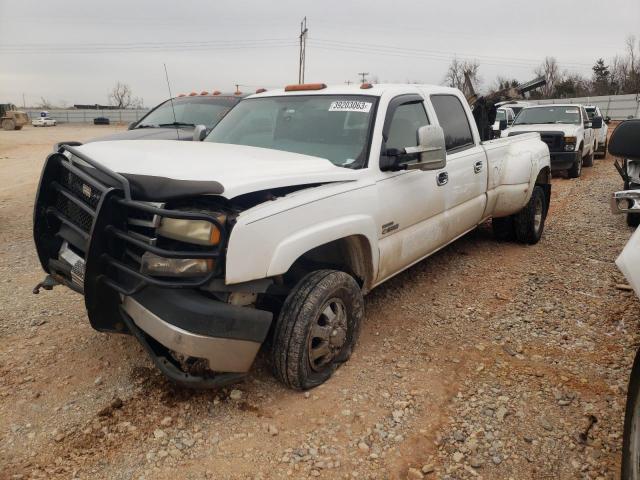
<point x="350" y="106"/>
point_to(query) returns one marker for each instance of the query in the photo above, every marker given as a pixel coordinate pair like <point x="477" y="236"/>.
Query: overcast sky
<point x="74" y="51"/>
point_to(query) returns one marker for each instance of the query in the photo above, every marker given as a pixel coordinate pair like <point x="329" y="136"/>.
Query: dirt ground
<point x="488" y="360"/>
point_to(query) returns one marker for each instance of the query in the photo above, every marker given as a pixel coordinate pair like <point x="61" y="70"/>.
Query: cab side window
<point x="407" y="119"/>
<point x="453" y="120"/>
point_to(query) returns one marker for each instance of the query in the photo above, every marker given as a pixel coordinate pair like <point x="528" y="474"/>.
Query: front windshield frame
<point x="367" y="145"/>
<point x="226" y="101"/>
<point x="519" y="118"/>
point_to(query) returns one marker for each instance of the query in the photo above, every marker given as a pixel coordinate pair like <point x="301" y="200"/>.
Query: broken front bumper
<point x="86" y="237"/>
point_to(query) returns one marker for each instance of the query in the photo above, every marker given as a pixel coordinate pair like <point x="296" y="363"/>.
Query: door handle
<point x="477" y="167"/>
<point x="442" y="178"/>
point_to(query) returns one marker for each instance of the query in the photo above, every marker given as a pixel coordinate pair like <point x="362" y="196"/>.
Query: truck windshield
<point x="551" y="114"/>
<point x="335" y="127"/>
<point x="189" y="111"/>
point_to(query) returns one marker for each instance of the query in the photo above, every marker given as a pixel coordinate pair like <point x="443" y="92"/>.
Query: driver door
<point x="410" y="202"/>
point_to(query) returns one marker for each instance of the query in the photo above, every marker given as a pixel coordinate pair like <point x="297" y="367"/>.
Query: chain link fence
<point x="73" y="115"/>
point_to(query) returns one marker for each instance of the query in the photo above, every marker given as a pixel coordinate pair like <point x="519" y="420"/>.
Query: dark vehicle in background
<point x="180" y="117"/>
<point x="625" y="143"/>
<point x="101" y="121"/>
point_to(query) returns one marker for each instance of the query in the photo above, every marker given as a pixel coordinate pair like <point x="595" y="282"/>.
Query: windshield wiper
<point x="146" y="126"/>
<point x="176" y="124"/>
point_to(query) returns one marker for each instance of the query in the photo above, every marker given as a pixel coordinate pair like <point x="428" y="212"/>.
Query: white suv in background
<point x="601" y="133"/>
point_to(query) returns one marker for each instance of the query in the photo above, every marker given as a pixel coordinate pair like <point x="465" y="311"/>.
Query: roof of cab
<point x="376" y="90"/>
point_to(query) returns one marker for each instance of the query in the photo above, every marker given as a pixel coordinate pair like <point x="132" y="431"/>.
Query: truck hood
<point x="568" y="129"/>
<point x="159" y="133"/>
<point x="165" y="169"/>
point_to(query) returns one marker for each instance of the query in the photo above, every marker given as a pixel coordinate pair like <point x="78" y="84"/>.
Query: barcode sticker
<point x="350" y="106"/>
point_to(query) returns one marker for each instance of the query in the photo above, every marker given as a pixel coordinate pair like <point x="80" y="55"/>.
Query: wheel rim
<point x="328" y="334"/>
<point x="634" y="445"/>
<point x="538" y="214"/>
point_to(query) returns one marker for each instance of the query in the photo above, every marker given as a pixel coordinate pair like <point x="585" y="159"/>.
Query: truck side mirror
<point x="429" y="154"/>
<point x="503" y="124"/>
<point x="596" y="122"/>
<point x="199" y="132"/>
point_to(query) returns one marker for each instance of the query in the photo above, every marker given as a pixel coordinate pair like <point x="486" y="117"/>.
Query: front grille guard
<point x="108" y="258"/>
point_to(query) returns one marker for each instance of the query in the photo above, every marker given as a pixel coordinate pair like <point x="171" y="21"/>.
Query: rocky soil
<point x="488" y="360"/>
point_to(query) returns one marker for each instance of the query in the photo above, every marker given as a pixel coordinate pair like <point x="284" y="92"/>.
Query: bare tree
<point x="120" y="96"/>
<point x="551" y="73"/>
<point x="633" y="79"/>
<point x="459" y="71"/>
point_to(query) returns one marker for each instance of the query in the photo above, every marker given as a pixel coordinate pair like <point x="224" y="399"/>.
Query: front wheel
<point x="631" y="435"/>
<point x="576" y="170"/>
<point x="529" y="222"/>
<point x="588" y="161"/>
<point x="603" y="153"/>
<point x="317" y="328"/>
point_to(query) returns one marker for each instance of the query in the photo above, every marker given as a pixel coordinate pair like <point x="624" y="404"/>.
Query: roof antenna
<point x="175" y="121"/>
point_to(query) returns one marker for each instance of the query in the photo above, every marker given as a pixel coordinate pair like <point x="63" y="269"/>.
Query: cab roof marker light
<point x="215" y="92"/>
<point x="365" y="86"/>
<point x="237" y="92"/>
<point x="204" y="92"/>
<point x="304" y="86"/>
<point x="182" y="94"/>
<point x="261" y="90"/>
<point x="193" y="94"/>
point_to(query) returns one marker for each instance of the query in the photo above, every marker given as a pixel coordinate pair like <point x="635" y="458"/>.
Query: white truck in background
<point x="299" y="202"/>
<point x="601" y="133"/>
<point x="566" y="129"/>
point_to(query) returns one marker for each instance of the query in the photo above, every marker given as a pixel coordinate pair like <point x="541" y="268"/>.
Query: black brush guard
<point x="94" y="220"/>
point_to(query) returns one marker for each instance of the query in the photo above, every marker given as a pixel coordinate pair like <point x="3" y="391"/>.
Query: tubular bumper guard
<point x="91" y="214"/>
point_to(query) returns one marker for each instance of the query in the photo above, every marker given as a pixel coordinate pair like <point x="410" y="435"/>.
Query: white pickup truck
<point x="566" y="129"/>
<point x="298" y="203"/>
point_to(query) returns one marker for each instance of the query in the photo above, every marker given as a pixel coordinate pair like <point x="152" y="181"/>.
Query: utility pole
<point x="364" y="76"/>
<point x="303" y="47"/>
<point x="24" y="105"/>
<point x="348" y="82"/>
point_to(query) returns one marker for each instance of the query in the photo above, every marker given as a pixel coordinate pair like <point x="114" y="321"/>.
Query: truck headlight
<point x="153" y="264"/>
<point x="199" y="232"/>
<point x="569" y="144"/>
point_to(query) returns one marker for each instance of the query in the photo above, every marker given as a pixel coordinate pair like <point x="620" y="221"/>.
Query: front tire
<point x="588" y="161"/>
<point x="576" y="170"/>
<point x="631" y="435"/>
<point x="317" y="328"/>
<point x="603" y="154"/>
<point x="529" y="222"/>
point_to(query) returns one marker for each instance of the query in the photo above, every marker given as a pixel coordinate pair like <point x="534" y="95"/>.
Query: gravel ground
<point x="488" y="360"/>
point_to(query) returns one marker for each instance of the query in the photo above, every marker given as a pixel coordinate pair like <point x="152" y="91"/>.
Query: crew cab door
<point x="465" y="191"/>
<point x="410" y="202"/>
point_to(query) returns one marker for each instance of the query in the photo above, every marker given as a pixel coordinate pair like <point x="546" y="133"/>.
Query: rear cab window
<point x="454" y="121"/>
